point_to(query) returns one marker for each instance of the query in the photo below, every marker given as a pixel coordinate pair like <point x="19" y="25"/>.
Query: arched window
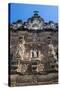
<point x="37" y="53"/>
<point x="32" y="54"/>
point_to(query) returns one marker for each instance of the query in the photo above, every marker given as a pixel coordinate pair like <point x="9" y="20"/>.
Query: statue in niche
<point x="21" y="49"/>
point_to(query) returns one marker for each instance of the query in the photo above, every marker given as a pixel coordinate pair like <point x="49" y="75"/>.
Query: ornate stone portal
<point x="34" y="47"/>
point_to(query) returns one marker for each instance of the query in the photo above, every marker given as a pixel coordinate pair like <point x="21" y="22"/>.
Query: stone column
<point x="40" y="55"/>
<point x="30" y="54"/>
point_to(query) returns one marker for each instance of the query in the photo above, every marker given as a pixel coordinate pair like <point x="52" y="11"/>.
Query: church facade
<point x="33" y="46"/>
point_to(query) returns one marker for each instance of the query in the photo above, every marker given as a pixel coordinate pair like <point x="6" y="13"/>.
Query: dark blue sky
<point x="24" y="11"/>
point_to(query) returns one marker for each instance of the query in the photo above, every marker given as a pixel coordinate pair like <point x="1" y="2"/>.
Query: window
<point x="34" y="53"/>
